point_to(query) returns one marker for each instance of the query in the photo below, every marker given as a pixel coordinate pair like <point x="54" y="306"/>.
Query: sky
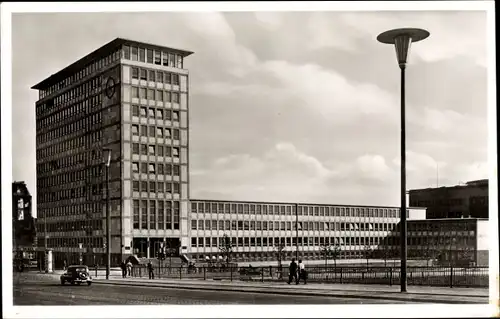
<point x="291" y="106"/>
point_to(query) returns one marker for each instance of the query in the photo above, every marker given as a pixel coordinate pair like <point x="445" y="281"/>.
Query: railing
<point x="423" y="276"/>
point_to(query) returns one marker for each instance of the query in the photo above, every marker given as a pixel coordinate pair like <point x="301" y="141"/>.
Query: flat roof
<point x="292" y="203"/>
<point x="471" y="184"/>
<point x="100" y="52"/>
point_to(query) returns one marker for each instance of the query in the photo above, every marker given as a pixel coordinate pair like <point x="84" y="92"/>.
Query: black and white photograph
<point x="288" y="158"/>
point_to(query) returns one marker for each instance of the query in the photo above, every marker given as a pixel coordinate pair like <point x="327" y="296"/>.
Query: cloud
<point x="269" y="20"/>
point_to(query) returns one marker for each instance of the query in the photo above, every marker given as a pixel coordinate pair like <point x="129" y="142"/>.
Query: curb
<point x="295" y="293"/>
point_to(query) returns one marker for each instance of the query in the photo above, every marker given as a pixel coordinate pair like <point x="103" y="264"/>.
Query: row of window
<point x="156" y="187"/>
<point x="89" y="192"/>
<point x="155" y="113"/>
<point x="67" y="109"/>
<point x="71" y="142"/>
<point x="440" y="227"/>
<point x="155" y="76"/>
<point x="154" y="214"/>
<point x="155" y="95"/>
<point x="156" y="150"/>
<point x="89" y="157"/>
<point x="93" y="242"/>
<point x="156" y="168"/>
<point x="156" y="131"/>
<point x="69" y="177"/>
<point x="71" y="113"/>
<point x="81" y="225"/>
<point x="158" y="57"/>
<point x="81" y="74"/>
<point x="282" y="225"/>
<point x="70" y="210"/>
<point x="270" y="209"/>
<point x="287" y="241"/>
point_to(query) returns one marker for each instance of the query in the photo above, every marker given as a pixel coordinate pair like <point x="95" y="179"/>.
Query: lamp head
<point x="402" y="40"/>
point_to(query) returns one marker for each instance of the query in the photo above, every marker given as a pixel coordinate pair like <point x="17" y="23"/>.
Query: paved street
<point x="32" y="289"/>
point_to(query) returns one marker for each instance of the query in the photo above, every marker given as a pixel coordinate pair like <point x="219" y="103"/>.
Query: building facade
<point x="469" y="200"/>
<point x="256" y="228"/>
<point x="131" y="98"/>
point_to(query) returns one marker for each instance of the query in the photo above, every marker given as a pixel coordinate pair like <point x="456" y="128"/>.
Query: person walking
<point x="129" y="268"/>
<point x="293" y="272"/>
<point x="124" y="269"/>
<point x="302" y="272"/>
<point x="151" y="270"/>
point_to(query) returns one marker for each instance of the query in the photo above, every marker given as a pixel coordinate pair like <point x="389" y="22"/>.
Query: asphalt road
<point x="47" y="290"/>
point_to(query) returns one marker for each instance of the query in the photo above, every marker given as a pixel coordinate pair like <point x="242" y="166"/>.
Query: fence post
<point x="262" y="272"/>
<point x="390" y="276"/>
<point x="180" y="272"/>
<point x="451" y="276"/>
<point x="231" y="268"/>
<point x="340" y="274"/>
<point x="96" y="271"/>
<point x="140" y="272"/>
<point x="363" y="277"/>
<point x="204" y="273"/>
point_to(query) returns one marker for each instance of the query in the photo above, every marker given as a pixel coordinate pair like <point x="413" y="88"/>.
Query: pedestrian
<point x="64" y="264"/>
<point x="129" y="268"/>
<point x="124" y="269"/>
<point x="151" y="270"/>
<point x="302" y="272"/>
<point x="293" y="272"/>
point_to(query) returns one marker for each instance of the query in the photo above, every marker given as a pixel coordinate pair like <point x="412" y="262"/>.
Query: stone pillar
<point x="147" y="247"/>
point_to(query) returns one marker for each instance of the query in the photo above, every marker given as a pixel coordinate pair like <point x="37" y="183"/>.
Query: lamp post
<point x="402" y="39"/>
<point x="107" y="153"/>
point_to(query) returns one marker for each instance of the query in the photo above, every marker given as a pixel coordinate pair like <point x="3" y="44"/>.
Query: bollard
<point x="96" y="271"/>
<point x="340" y="274"/>
<point x="140" y="272"/>
<point x="204" y="273"/>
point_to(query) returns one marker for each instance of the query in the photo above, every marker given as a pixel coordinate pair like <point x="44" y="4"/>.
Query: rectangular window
<point x="159" y="76"/>
<point x="176" y="134"/>
<point x="157" y="57"/>
<point x="135" y="148"/>
<point x="135" y="167"/>
<point x="144" y="214"/>
<point x="135" y="92"/>
<point x="166" y="96"/>
<point x="135" y="110"/>
<point x="165" y="58"/>
<point x="134" y="55"/>
<point x="151" y="150"/>
<point x="126" y="52"/>
<point x="136" y="214"/>
<point x="161" y="213"/>
<point x="143" y="74"/>
<point x="142" y="55"/>
<point x="135" y="129"/>
<point x="151" y="94"/>
<point x="135" y="73"/>
<point x="149" y="56"/>
<point x="151" y="76"/>
<point x="152" y="214"/>
<point x="142" y="93"/>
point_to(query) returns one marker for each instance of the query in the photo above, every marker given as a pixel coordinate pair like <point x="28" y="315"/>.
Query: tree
<point x="226" y="247"/>
<point x="279" y="248"/>
<point x="367" y="253"/>
<point x="326" y="251"/>
<point x="335" y="253"/>
<point x="385" y="252"/>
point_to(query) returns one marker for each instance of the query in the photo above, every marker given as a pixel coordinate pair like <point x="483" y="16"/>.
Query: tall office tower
<point x="130" y="99"/>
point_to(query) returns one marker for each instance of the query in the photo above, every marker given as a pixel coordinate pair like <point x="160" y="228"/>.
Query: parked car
<point x="76" y="275"/>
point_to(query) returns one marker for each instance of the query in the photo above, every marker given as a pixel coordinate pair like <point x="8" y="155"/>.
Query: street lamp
<point x="107" y="157"/>
<point x="402" y="39"/>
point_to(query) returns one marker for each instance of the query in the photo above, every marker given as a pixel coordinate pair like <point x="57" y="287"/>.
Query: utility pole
<point x="297" y="231"/>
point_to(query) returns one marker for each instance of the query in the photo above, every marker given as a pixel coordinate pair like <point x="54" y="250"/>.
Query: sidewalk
<point x="375" y="292"/>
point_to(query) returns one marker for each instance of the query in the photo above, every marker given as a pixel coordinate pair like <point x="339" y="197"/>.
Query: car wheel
<point x="89" y="283"/>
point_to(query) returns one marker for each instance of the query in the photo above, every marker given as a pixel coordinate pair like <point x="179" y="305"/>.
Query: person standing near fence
<point x="293" y="272"/>
<point x="302" y="272"/>
<point x="151" y="270"/>
<point x="129" y="268"/>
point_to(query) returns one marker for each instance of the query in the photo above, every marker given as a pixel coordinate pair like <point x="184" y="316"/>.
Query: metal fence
<point x="423" y="276"/>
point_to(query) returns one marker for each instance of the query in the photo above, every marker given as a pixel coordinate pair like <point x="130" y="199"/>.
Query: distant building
<point x="23" y="225"/>
<point x="460" y="201"/>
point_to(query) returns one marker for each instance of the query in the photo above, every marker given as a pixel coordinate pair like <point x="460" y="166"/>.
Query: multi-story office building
<point x="469" y="200"/>
<point x="454" y="240"/>
<point x="255" y="228"/>
<point x="131" y="98"/>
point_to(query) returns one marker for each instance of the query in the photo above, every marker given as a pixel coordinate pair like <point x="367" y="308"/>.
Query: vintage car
<point x="76" y="275"/>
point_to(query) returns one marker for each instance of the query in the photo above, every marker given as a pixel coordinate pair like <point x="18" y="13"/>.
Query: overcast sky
<point x="291" y="106"/>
